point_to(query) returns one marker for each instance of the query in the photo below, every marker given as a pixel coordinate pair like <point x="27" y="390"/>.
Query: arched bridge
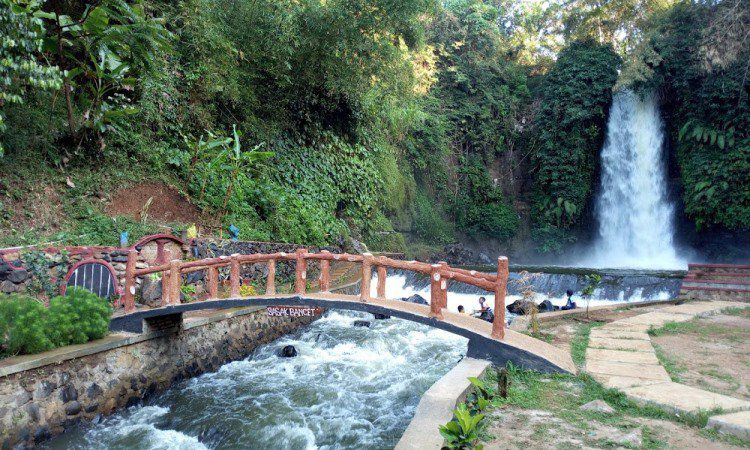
<point x="491" y="341"/>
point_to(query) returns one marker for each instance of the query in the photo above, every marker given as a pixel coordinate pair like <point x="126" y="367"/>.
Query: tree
<point x="21" y="38"/>
<point x="102" y="46"/>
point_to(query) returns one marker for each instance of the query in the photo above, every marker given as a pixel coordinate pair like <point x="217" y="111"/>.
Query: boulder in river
<point x="416" y="298"/>
<point x="520" y="307"/>
<point x="547" y="306"/>
<point x="362" y="323"/>
<point x="381" y="316"/>
<point x="289" y="351"/>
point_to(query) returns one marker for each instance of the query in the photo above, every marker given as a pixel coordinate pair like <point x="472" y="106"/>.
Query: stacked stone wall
<point x="42" y="402"/>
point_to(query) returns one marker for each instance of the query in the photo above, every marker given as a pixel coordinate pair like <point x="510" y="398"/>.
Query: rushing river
<point x="350" y="387"/>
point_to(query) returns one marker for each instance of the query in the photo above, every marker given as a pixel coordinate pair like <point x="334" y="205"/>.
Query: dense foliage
<point x="576" y="95"/>
<point x="693" y="59"/>
<point x="26" y="326"/>
<point x="317" y="122"/>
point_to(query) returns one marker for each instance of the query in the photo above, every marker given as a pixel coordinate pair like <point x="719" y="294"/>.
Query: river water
<point x="349" y="388"/>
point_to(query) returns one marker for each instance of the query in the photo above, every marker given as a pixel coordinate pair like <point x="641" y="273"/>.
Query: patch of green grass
<point x="580" y="342"/>
<point x="714" y="435"/>
<point x="542" y="336"/>
<point x="673" y="368"/>
<point x="702" y="328"/>
<point x="741" y="311"/>
<point x="650" y="440"/>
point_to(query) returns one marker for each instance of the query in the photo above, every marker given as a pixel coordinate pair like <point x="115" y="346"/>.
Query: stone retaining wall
<point x="119" y="371"/>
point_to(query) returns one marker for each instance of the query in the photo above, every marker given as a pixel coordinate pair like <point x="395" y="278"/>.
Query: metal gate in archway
<point x="95" y="275"/>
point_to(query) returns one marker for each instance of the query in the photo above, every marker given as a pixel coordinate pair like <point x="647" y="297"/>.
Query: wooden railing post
<point x="435" y="293"/>
<point x="271" y="279"/>
<point x="364" y="293"/>
<point x="498" y="325"/>
<point x="165" y="286"/>
<point x="213" y="282"/>
<point x="325" y="273"/>
<point x="443" y="286"/>
<point x="382" y="275"/>
<point x="129" y="295"/>
<point x="300" y="278"/>
<point x="175" y="281"/>
<point x="234" y="276"/>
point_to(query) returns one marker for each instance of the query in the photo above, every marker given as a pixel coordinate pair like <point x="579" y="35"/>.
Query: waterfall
<point x="634" y="215"/>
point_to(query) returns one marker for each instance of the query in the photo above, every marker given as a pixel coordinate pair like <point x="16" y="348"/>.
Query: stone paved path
<point x="620" y="355"/>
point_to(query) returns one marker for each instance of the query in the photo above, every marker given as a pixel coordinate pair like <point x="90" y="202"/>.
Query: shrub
<point x="78" y="317"/>
<point x="429" y="224"/>
<point x="23" y="326"/>
<point x="496" y="220"/>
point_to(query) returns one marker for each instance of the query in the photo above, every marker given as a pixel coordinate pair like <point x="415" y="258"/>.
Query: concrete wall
<point x="42" y="395"/>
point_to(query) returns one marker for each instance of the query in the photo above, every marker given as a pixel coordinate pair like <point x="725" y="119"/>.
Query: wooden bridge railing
<point x="440" y="275"/>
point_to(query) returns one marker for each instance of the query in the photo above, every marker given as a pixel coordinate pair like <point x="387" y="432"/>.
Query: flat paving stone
<point x="622" y="326"/>
<point x="619" y="334"/>
<point x="737" y="424"/>
<point x="621" y="369"/>
<point x="621" y="356"/>
<point x="696" y="308"/>
<point x="681" y="398"/>
<point x="657" y="319"/>
<point x="618" y="382"/>
<point x="621" y="344"/>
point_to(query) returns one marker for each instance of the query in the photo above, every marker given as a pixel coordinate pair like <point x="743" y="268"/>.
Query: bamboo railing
<point x="440" y="275"/>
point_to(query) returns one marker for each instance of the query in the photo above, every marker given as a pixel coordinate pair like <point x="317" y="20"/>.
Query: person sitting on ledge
<point x="484" y="312"/>
<point x="570" y="304"/>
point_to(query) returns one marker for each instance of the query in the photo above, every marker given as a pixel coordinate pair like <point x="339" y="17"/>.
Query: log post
<point x="443" y="286"/>
<point x="300" y="272"/>
<point x="325" y="274"/>
<point x="498" y="324"/>
<point x="175" y="281"/>
<point x="364" y="293"/>
<point x="382" y="275"/>
<point x="166" y="293"/>
<point x="436" y="310"/>
<point x="234" y="276"/>
<point x="129" y="294"/>
<point x="271" y="279"/>
<point x="213" y="282"/>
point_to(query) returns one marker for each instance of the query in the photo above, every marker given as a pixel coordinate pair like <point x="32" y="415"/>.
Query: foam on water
<point x="399" y="285"/>
<point x="635" y="216"/>
<point x="350" y="387"/>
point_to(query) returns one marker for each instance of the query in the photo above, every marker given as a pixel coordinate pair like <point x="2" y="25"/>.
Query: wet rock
<point x="599" y="406"/>
<point x="68" y="394"/>
<point x="547" y="306"/>
<point x="520" y="307"/>
<point x="72" y="408"/>
<point x="151" y="292"/>
<point x="18" y="276"/>
<point x="44" y="389"/>
<point x="289" y="351"/>
<point x="34" y="412"/>
<point x="7" y="287"/>
<point x="362" y="323"/>
<point x="381" y="316"/>
<point x="416" y="298"/>
<point x="41" y="434"/>
<point x="94" y="391"/>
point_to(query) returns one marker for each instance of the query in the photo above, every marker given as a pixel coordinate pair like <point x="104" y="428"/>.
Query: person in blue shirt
<point x="570" y="304"/>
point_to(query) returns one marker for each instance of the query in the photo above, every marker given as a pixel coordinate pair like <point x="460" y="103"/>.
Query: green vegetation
<point x="26" y="326"/>
<point x="576" y="95"/>
<point x="321" y="122"/>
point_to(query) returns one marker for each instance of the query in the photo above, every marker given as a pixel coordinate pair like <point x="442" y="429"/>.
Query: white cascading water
<point x="635" y="218"/>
